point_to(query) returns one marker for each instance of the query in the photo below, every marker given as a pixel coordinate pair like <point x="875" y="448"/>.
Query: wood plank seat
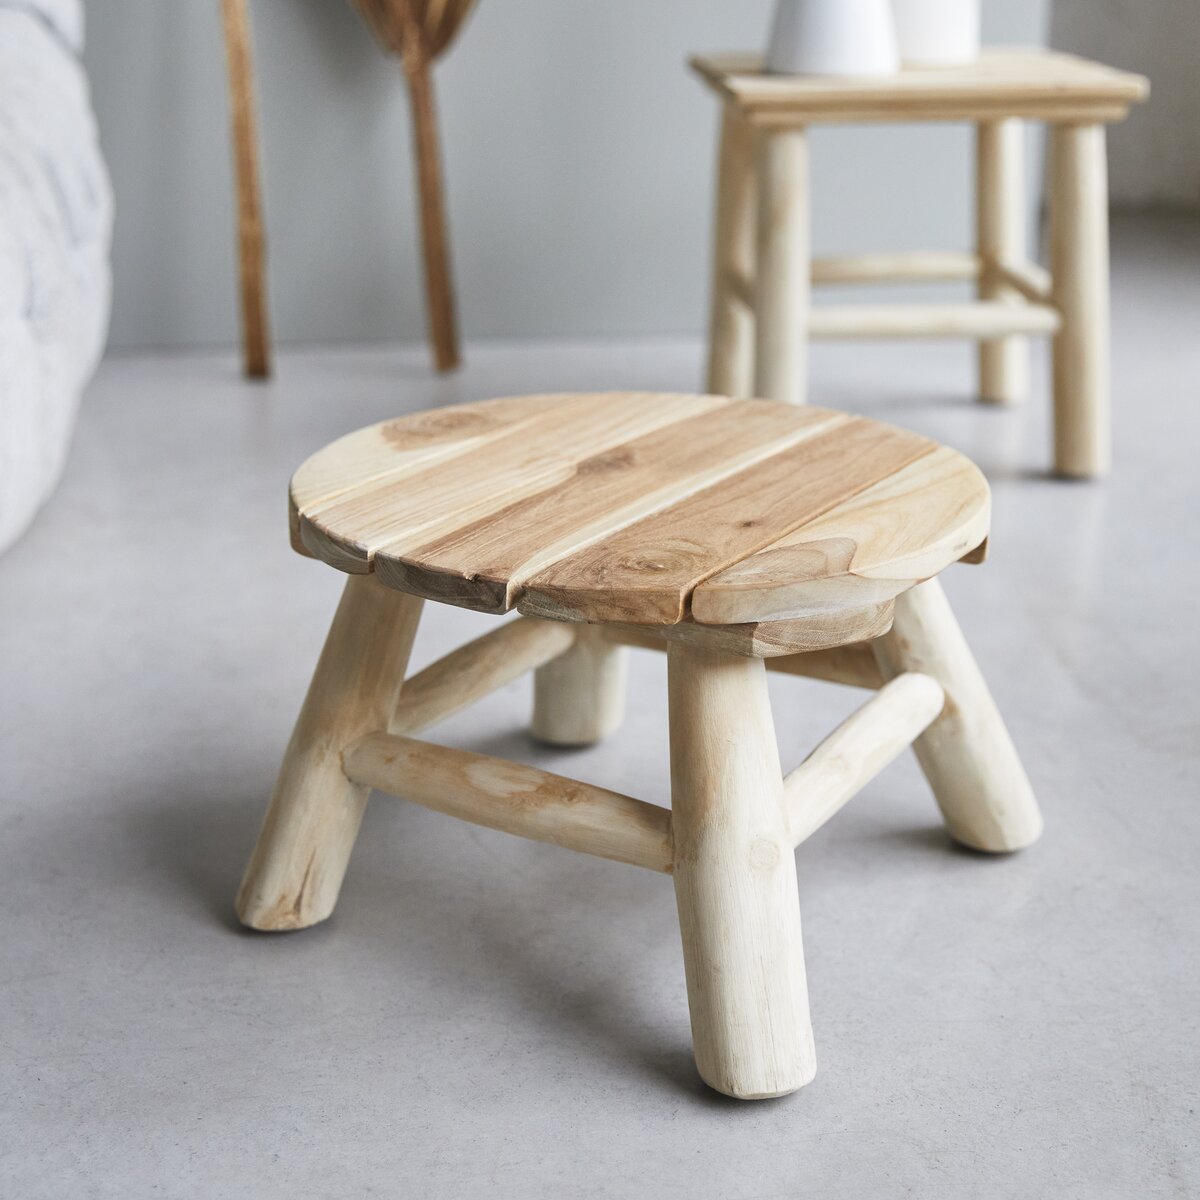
<point x="645" y="509"/>
<point x="729" y="534"/>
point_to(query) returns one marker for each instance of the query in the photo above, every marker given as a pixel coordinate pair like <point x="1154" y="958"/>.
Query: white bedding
<point x="55" y="229"/>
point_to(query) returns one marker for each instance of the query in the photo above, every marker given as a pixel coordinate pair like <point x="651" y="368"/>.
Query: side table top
<point x="639" y="508"/>
<point x="1004" y="81"/>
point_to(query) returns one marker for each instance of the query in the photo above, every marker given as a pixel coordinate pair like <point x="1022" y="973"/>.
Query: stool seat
<point x="641" y="508"/>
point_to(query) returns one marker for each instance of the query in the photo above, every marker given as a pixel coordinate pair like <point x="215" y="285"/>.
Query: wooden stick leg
<point x="251" y="239"/>
<point x="735" y="879"/>
<point x="731" y="323"/>
<point x="1079" y="266"/>
<point x="1000" y="227"/>
<point x="579" y="697"/>
<point x="966" y="754"/>
<point x="439" y="284"/>
<point x="782" y="284"/>
<point x="297" y="867"/>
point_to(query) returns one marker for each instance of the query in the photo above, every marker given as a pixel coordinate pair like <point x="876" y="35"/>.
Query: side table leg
<point x="731" y="321"/>
<point x="1079" y="264"/>
<point x="735" y="879"/>
<point x="1000" y="237"/>
<point x="966" y="754"/>
<point x="782" y="280"/>
<point x="579" y="697"/>
<point x="312" y="822"/>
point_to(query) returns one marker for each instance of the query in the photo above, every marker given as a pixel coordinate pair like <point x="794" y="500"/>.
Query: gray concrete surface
<point x="487" y="1017"/>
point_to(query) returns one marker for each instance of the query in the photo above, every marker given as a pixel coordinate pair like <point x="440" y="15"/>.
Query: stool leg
<point x="579" y="697"/>
<point x="296" y="871"/>
<point x="782" y="278"/>
<point x="735" y="879"/>
<point x="966" y="754"/>
<point x="1079" y="266"/>
<point x="731" y="322"/>
<point x="1000" y="237"/>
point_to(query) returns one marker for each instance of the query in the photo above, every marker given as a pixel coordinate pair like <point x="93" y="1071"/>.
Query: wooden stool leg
<point x="735" y="879"/>
<point x="782" y="278"/>
<point x="579" y="697"/>
<point x="1000" y="229"/>
<point x="1079" y="266"/>
<point x="966" y="754"/>
<point x="731" y="323"/>
<point x="256" y="338"/>
<point x="297" y="867"/>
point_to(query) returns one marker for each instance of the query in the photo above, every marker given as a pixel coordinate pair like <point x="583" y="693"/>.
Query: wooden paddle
<point x="418" y="31"/>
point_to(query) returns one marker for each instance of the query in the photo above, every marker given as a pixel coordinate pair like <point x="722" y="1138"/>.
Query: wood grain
<point x="295" y="874"/>
<point x="408" y="511"/>
<point x="646" y="509"/>
<point x="239" y="58"/>
<point x="1002" y="82"/>
<point x="857" y="750"/>
<point x="966" y="753"/>
<point x="735" y="879"/>
<point x="485" y="564"/>
<point x="644" y="575"/>
<point x="514" y="798"/>
<point x="869" y="548"/>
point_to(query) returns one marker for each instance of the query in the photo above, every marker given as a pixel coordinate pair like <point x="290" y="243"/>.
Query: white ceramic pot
<point x="833" y="37"/>
<point x="937" y="33"/>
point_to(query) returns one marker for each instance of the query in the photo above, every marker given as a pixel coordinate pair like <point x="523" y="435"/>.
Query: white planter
<point x="937" y="33"/>
<point x="833" y="37"/>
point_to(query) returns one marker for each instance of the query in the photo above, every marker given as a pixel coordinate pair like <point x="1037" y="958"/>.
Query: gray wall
<point x="1154" y="157"/>
<point x="579" y="156"/>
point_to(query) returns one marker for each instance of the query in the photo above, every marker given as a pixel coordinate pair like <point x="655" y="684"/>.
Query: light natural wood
<point x="239" y="57"/>
<point x="478" y="669"/>
<point x="296" y="871"/>
<point x="1001" y="239"/>
<point x="966" y="754"/>
<point x="486" y="564"/>
<point x="435" y="236"/>
<point x="861" y="746"/>
<point x="851" y="665"/>
<point x="983" y="320"/>
<point x="579" y="696"/>
<point x="647" y="510"/>
<point x="731" y="323"/>
<point x="514" y="799"/>
<point x="1016" y="299"/>
<point x="1028" y="279"/>
<point x="1002" y="82"/>
<point x="871" y="547"/>
<point x="929" y="266"/>
<point x="368" y="458"/>
<point x="405" y="511"/>
<point x="814" y="632"/>
<point x="418" y="31"/>
<point x="827" y="520"/>
<point x="1079" y="266"/>
<point x="782" y="274"/>
<point x="735" y="879"/>
<point x="645" y="574"/>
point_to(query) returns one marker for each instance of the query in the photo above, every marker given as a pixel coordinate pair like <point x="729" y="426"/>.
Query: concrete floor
<point x="485" y="1016"/>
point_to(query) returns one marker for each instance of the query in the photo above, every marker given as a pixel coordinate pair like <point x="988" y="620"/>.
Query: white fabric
<point x="55" y="231"/>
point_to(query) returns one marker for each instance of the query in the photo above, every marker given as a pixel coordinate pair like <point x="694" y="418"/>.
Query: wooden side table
<point x="763" y="270"/>
<point x="736" y="535"/>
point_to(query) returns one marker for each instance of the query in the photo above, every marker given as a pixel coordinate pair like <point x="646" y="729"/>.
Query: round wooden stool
<point x="738" y="535"/>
